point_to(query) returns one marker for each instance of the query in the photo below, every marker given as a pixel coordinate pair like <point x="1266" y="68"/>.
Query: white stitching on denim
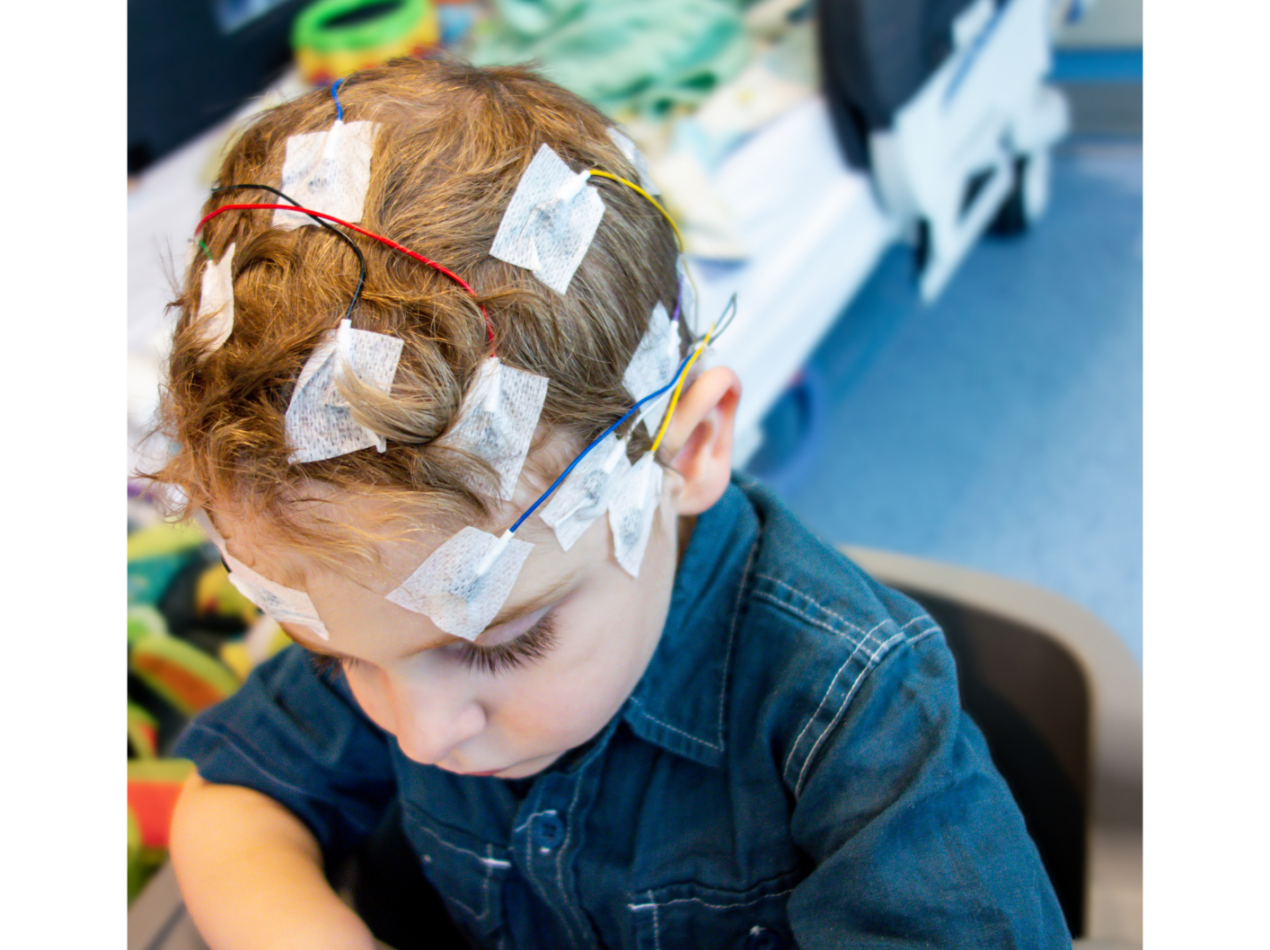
<point x="656" y="924"/>
<point x="812" y="601"/>
<point x="647" y="715"/>
<point x="814" y="621"/>
<point x="825" y="698"/>
<point x="923" y="634"/>
<point x="727" y="662"/>
<point x="525" y="824"/>
<point x="568" y="833"/>
<point x="487" y="861"/>
<point x="454" y="900"/>
<point x="873" y="659"/>
<point x="698" y="900"/>
<point x="736" y="613"/>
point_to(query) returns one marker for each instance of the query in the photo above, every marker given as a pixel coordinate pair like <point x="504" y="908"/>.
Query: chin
<point x="529" y="767"/>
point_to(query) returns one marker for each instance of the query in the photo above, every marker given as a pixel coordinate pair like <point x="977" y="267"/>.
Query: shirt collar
<point x="680" y="703"/>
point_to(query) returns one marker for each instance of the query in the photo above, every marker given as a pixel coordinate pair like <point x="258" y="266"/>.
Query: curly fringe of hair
<point x="453" y="143"/>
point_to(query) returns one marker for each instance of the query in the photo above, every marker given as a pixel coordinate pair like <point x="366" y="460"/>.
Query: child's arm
<point x="251" y="874"/>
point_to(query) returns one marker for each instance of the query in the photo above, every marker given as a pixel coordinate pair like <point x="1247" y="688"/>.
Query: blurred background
<point x="931" y="214"/>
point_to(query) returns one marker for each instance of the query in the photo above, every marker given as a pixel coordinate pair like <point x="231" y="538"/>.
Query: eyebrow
<point x="505" y="616"/>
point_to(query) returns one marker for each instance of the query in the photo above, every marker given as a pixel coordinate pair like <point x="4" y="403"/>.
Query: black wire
<point x="361" y="258"/>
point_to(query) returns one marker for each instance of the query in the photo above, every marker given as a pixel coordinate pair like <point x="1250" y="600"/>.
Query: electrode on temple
<point x="215" y="317"/>
<point x="654" y="362"/>
<point x="283" y="604"/>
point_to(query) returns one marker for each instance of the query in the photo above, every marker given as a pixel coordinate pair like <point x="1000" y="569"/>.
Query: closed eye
<point x="530" y="647"/>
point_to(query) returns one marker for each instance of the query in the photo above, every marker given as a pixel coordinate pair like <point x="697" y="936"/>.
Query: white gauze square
<point x="631" y="512"/>
<point x="635" y="157"/>
<point x="328" y="172"/>
<point x="318" y="422"/>
<point x="656" y="358"/>
<point x="550" y="221"/>
<point x="687" y="296"/>
<point x="498" y="419"/>
<point x="465" y="582"/>
<point x="653" y="365"/>
<point x="586" y="493"/>
<point x="283" y="604"/>
<point x="216" y="302"/>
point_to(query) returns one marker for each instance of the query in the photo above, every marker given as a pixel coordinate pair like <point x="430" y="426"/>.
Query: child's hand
<point x="252" y="877"/>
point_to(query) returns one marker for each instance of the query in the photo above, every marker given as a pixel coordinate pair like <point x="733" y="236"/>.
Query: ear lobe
<point x="699" y="438"/>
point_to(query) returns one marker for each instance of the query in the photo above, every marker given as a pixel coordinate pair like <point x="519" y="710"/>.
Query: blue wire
<point x="339" y="109"/>
<point x="600" y="438"/>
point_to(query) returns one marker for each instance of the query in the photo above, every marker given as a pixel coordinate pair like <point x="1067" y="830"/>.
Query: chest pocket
<point x="467" y="873"/>
<point x="684" y="916"/>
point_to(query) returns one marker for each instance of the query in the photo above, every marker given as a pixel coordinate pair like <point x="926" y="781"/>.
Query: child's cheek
<point x="371" y="697"/>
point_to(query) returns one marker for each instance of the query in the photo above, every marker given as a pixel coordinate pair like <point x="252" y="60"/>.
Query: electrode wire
<point x="724" y="321"/>
<point x="361" y="258"/>
<point x="339" y="109"/>
<point x="489" y="327"/>
<point x="600" y="438"/>
<point x="651" y="200"/>
<point x="683" y="377"/>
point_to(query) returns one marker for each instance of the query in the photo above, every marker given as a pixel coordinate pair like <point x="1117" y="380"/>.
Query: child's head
<point x="451" y="146"/>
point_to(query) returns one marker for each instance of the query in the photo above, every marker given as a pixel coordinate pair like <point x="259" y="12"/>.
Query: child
<point x="657" y="713"/>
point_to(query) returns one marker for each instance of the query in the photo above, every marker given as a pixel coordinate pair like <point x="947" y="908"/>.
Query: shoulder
<point x="819" y="639"/>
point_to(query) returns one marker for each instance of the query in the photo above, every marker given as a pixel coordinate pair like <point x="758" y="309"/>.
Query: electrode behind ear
<point x="328" y="171"/>
<point x="550" y="221"/>
<point x="318" y="422"/>
<point x="631" y="512"/>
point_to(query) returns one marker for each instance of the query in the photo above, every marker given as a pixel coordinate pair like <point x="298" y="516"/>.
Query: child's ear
<point x="698" y="440"/>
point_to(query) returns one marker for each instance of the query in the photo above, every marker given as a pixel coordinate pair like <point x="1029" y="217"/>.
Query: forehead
<point x="374" y="540"/>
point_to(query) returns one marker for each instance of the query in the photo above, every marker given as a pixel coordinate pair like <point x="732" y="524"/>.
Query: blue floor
<point x="1001" y="427"/>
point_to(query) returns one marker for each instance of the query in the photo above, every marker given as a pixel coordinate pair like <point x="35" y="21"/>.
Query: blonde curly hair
<point x="452" y="145"/>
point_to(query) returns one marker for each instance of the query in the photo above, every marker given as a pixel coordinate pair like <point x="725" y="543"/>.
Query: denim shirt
<point x="793" y="769"/>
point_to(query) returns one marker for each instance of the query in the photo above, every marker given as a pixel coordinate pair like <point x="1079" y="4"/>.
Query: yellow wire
<point x="653" y="201"/>
<point x="674" y="399"/>
<point x="664" y="213"/>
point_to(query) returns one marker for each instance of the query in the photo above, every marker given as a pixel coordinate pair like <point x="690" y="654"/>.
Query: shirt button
<point x="763" y="938"/>
<point x="548" y="830"/>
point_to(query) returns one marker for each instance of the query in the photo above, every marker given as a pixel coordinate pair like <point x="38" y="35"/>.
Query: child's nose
<point x="431" y="721"/>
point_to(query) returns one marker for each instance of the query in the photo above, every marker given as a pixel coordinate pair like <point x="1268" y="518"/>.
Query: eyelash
<point x="529" y="647"/>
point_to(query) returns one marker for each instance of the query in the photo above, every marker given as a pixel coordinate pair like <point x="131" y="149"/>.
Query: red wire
<point x="489" y="327"/>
